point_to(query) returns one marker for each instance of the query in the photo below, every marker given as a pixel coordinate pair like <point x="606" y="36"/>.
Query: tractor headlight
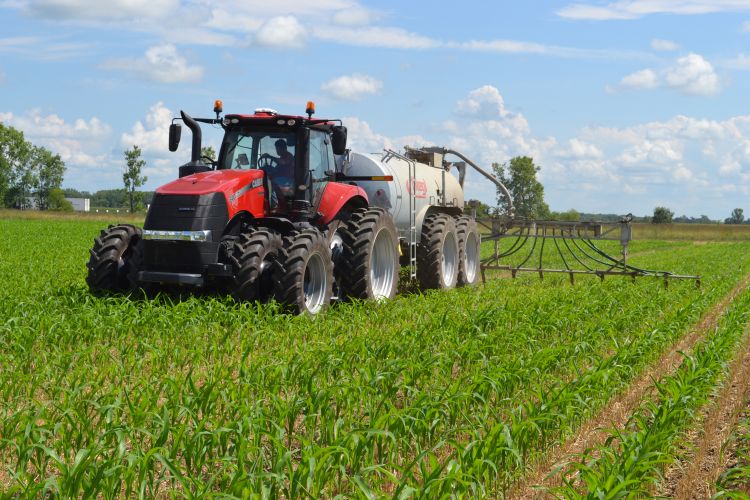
<point x="200" y="236"/>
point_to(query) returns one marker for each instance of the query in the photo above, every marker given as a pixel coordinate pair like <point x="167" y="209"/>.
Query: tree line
<point x="30" y="176"/>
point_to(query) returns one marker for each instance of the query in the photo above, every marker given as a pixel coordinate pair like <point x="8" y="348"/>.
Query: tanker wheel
<point x="334" y="234"/>
<point x="469" y="251"/>
<point x="303" y="280"/>
<point x="369" y="264"/>
<point x="438" y="253"/>
<point x="111" y="259"/>
<point x="252" y="258"/>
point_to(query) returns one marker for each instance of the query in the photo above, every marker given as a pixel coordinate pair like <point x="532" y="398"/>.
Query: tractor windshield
<point x="272" y="151"/>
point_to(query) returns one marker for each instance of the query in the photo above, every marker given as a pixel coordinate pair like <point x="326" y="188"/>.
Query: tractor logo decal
<point x="418" y="187"/>
<point x="237" y="194"/>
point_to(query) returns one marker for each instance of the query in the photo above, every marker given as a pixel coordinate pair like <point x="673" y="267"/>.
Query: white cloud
<point x="746" y="26"/>
<point x="635" y="9"/>
<point x="664" y="45"/>
<point x="355" y="16"/>
<point x="281" y="32"/>
<point x="153" y="136"/>
<point x="77" y="143"/>
<point x="691" y="74"/>
<point x="374" y="36"/>
<point x="643" y="79"/>
<point x="352" y="87"/>
<point x="694" y="75"/>
<point x="96" y="9"/>
<point x="161" y="63"/>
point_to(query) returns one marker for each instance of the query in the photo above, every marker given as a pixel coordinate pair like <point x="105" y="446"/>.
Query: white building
<point x="80" y="204"/>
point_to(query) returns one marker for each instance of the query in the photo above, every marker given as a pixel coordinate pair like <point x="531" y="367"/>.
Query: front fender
<point x="337" y="195"/>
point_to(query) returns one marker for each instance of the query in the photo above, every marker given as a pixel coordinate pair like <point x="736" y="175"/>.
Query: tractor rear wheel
<point x="252" y="259"/>
<point x="368" y="267"/>
<point x="111" y="264"/>
<point x="438" y="253"/>
<point x="303" y="280"/>
<point x="469" y="251"/>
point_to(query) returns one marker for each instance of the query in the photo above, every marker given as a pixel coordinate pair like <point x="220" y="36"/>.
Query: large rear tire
<point x="469" y="250"/>
<point x="111" y="264"/>
<point x="368" y="267"/>
<point x="252" y="260"/>
<point x="304" y="279"/>
<point x="438" y="253"/>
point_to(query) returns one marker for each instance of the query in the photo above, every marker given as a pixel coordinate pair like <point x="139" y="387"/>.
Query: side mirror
<point x="338" y="139"/>
<point x="175" y="131"/>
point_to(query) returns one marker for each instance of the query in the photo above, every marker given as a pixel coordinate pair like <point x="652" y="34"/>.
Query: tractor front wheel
<point x="303" y="280"/>
<point x="252" y="259"/>
<point x="111" y="265"/>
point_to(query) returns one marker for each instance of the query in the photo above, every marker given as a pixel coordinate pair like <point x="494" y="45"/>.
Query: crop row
<point x="443" y="393"/>
<point x="630" y="461"/>
<point x="735" y="481"/>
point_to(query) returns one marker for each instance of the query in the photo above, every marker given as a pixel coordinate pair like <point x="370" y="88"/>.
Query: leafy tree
<point x="662" y="215"/>
<point x="49" y="170"/>
<point x="208" y="152"/>
<point x="737" y="217"/>
<point x="572" y="215"/>
<point x="519" y="176"/>
<point x="132" y="177"/>
<point x="56" y="201"/>
<point x="14" y="157"/>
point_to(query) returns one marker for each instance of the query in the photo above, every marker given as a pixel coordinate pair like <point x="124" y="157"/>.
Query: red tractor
<point x="271" y="218"/>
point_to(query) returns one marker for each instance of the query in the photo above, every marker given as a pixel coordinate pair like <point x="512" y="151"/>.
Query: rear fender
<point x="336" y="196"/>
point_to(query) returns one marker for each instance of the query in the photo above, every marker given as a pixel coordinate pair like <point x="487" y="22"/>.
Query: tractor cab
<point x="295" y="154"/>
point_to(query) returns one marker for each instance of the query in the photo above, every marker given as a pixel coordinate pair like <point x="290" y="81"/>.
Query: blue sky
<point x="625" y="104"/>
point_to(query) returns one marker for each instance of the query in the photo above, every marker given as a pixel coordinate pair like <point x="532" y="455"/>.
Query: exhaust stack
<point x="196" y="165"/>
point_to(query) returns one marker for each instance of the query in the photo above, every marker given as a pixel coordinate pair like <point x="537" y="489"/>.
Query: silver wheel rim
<point x="472" y="257"/>
<point x="315" y="283"/>
<point x="382" y="270"/>
<point x="337" y="246"/>
<point x="449" y="260"/>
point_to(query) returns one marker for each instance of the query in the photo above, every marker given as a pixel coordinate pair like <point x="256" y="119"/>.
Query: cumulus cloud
<point x="352" y="87"/>
<point x="635" y="9"/>
<point x="77" y="142"/>
<point x="153" y="135"/>
<point x="746" y="26"/>
<point x="664" y="45"/>
<point x="281" y="32"/>
<point x="161" y="63"/>
<point x="694" y="75"/>
<point x="691" y="74"/>
<point x="643" y="79"/>
<point x="684" y="162"/>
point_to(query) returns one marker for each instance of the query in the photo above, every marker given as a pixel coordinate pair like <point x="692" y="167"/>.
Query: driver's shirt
<point x="285" y="167"/>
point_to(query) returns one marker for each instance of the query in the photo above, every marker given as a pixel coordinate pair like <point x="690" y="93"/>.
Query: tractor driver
<point x="282" y="175"/>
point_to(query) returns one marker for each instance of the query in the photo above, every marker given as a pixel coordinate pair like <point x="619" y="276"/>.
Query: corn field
<point x="456" y="393"/>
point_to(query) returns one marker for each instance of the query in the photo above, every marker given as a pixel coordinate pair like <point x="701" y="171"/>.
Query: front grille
<point x="184" y="213"/>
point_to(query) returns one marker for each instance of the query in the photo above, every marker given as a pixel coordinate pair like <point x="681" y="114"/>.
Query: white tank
<point x="432" y="186"/>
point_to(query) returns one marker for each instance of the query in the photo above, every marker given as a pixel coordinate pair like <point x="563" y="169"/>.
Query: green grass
<point x="437" y="394"/>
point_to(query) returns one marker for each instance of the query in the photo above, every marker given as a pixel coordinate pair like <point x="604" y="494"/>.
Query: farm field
<point x="471" y="392"/>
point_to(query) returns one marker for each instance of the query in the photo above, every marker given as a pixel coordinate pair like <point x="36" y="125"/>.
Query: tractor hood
<point x="217" y="181"/>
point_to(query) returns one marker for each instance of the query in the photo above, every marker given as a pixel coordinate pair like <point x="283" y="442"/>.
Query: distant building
<point x="80" y="204"/>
